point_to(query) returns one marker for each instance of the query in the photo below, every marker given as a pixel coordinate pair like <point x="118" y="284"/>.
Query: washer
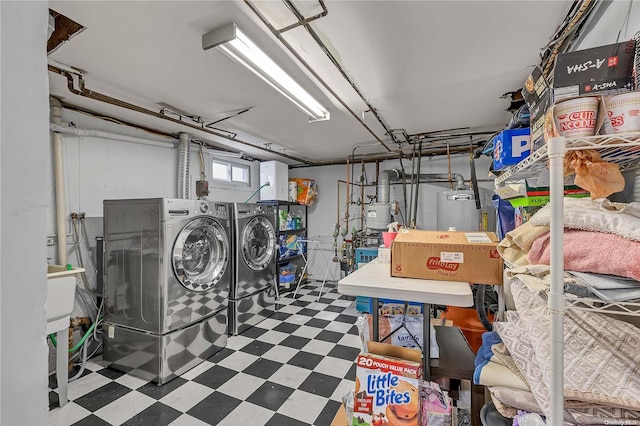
<point x="167" y="272"/>
<point x="252" y="295"/>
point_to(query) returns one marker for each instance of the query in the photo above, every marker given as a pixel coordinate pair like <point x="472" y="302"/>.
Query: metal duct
<point x="184" y="157"/>
<point x="460" y="185"/>
<point x="383" y="187"/>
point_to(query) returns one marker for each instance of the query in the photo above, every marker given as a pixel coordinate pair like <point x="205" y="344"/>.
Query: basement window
<point x="228" y="171"/>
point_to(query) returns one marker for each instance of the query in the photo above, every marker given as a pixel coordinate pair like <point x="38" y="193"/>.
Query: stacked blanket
<point x="601" y="353"/>
<point x="600" y="237"/>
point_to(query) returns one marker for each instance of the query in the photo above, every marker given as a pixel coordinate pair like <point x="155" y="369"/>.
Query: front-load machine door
<point x="200" y="260"/>
<point x="256" y="245"/>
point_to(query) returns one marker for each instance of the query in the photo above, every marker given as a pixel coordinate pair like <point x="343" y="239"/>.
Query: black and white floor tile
<point x="291" y="369"/>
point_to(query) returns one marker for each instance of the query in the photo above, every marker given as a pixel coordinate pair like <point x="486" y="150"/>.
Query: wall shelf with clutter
<point x="586" y="127"/>
<point x="291" y="232"/>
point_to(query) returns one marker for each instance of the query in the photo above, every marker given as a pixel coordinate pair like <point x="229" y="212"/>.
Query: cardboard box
<point x="444" y="255"/>
<point x="510" y="147"/>
<point x="387" y="385"/>
<point x="537" y="95"/>
<point x="603" y="70"/>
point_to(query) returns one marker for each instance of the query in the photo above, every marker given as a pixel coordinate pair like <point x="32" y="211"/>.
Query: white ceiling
<point x="424" y="65"/>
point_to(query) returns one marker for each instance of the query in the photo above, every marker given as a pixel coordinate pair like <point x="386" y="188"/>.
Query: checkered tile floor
<point x="291" y="369"/>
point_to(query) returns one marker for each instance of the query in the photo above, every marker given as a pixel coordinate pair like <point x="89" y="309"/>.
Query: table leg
<point x="426" y="338"/>
<point x="477" y="401"/>
<point x="62" y="365"/>
<point x="375" y="313"/>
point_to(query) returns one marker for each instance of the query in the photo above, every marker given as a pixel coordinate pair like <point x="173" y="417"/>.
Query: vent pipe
<point x="184" y="157"/>
<point x="383" y="187"/>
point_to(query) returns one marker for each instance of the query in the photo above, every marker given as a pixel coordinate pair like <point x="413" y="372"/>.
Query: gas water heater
<point x="458" y="209"/>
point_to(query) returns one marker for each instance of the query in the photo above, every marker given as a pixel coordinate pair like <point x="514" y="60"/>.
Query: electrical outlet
<point x="52" y="240"/>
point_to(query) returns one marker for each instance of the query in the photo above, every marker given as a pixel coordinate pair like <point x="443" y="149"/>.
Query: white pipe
<point x="59" y="128"/>
<point x="58" y="168"/>
<point x="556" y="303"/>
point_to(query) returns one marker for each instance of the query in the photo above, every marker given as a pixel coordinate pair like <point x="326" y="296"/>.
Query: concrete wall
<point x="25" y="166"/>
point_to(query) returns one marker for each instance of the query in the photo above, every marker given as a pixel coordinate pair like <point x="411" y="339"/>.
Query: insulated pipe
<point x="111" y="136"/>
<point x="184" y="157"/>
<point x="58" y="168"/>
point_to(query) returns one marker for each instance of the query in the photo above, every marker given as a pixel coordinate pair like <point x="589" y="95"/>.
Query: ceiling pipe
<point x="279" y="36"/>
<point x="58" y="169"/>
<point x="306" y="20"/>
<point x="395" y="155"/>
<point x="61" y="128"/>
<point x="339" y="67"/>
<point x="87" y="93"/>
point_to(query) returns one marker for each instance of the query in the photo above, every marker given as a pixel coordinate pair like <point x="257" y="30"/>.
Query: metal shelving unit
<point x="298" y="259"/>
<point x="623" y="150"/>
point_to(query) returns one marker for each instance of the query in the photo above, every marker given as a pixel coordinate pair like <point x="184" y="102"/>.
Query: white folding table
<point x="374" y="280"/>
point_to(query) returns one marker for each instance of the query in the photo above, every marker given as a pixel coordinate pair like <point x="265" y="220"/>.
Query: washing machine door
<point x="258" y="242"/>
<point x="201" y="254"/>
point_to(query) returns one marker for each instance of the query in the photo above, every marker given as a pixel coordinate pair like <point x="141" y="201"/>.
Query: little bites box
<point x="387" y="391"/>
<point x="445" y="255"/>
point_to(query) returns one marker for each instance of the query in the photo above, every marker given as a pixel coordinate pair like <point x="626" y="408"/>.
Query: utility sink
<point x="61" y="294"/>
<point x="61" y="287"/>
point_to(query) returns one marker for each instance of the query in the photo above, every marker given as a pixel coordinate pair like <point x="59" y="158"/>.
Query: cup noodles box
<point x="603" y="70"/>
<point x="447" y="255"/>
<point x="387" y="390"/>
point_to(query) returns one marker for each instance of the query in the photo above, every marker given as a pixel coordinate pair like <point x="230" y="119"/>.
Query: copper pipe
<point x="362" y="173"/>
<point x="87" y="93"/>
<point x="348" y="197"/>
<point x="449" y="166"/>
<point x="338" y="207"/>
<point x="312" y="71"/>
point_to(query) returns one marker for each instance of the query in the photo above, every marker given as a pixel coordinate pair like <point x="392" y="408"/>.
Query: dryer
<point x="167" y="274"/>
<point x="252" y="295"/>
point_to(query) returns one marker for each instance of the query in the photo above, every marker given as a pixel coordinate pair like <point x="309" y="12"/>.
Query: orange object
<point x="307" y="190"/>
<point x="469" y="323"/>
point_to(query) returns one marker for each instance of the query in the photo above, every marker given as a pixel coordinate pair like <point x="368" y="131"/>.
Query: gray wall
<point x="97" y="169"/>
<point x="24" y="171"/>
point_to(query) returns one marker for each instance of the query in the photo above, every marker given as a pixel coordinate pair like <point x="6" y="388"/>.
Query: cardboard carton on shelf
<point x="603" y="70"/>
<point x="447" y="255"/>
<point x="537" y="95"/>
<point x="510" y="147"/>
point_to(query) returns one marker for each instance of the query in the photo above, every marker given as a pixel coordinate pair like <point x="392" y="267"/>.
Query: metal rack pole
<point x="556" y="303"/>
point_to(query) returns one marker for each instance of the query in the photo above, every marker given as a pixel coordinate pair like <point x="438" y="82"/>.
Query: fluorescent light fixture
<point x="237" y="45"/>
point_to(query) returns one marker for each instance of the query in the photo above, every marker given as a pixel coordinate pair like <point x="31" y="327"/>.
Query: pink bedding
<point x="587" y="251"/>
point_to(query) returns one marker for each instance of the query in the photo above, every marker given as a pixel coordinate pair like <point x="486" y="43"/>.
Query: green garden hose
<point x="79" y="345"/>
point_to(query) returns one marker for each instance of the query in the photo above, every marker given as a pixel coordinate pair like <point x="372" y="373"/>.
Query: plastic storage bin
<point x="469" y="323"/>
